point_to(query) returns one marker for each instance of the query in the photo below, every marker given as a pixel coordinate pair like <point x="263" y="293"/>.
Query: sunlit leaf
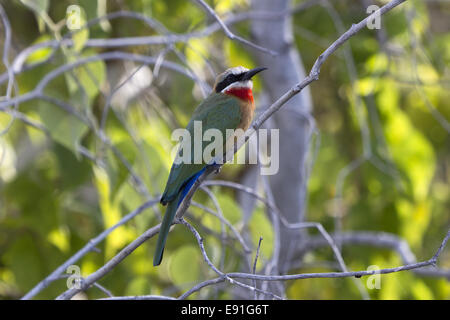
<point x="110" y="213"/>
<point x="197" y="52"/>
<point x="41" y="54"/>
<point x="377" y="63"/>
<point x="90" y="75"/>
<point x="411" y="150"/>
<point x="416" y="218"/>
<point x="8" y="161"/>
<point x="366" y="86"/>
<point x="421" y="291"/>
<point x="60" y="238"/>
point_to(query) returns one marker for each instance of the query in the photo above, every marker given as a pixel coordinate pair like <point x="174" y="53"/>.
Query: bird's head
<point x="236" y="78"/>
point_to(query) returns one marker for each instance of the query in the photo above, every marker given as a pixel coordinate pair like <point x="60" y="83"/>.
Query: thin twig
<point x="93" y="277"/>
<point x="254" y="263"/>
<point x="83" y="251"/>
<point x="329" y="275"/>
<point x="227" y="31"/>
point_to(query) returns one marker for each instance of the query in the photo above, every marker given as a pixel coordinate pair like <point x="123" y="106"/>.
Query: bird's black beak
<point x="250" y="73"/>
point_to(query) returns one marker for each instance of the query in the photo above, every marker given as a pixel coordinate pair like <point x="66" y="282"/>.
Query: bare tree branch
<point x="83" y="251"/>
<point x="227" y="31"/>
<point x="89" y="280"/>
<point x="313" y="76"/>
<point x="271" y="272"/>
<point x="357" y="274"/>
<point x="379" y="240"/>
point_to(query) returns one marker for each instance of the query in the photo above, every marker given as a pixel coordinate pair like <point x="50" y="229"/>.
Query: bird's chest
<point x="246" y="105"/>
<point x="247" y="109"/>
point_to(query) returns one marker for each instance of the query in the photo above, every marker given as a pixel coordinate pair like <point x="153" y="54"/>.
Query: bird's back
<point x="217" y="111"/>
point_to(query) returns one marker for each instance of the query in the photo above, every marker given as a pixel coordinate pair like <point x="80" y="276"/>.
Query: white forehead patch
<point x="237" y="70"/>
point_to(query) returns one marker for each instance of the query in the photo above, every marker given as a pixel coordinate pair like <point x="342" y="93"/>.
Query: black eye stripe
<point x="228" y="80"/>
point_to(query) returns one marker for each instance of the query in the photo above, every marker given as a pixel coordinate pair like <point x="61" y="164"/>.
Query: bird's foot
<point x="216" y="167"/>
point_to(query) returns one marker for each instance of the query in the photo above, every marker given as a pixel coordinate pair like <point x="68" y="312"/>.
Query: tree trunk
<point x="284" y="71"/>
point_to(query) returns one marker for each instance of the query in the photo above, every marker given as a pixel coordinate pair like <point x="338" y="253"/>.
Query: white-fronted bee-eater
<point x="229" y="106"/>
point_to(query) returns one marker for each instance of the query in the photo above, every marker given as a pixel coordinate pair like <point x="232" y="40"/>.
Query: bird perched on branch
<point x="229" y="106"/>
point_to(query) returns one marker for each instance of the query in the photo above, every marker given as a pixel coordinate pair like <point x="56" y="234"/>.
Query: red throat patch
<point x="241" y="93"/>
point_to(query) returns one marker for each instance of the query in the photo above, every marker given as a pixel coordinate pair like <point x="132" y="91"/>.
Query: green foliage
<point x="42" y="54"/>
<point x="64" y="128"/>
<point x="55" y="198"/>
<point x="185" y="265"/>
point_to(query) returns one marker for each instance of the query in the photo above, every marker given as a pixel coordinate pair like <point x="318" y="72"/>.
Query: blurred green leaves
<point x="410" y="149"/>
<point x="42" y="54"/>
<point x="53" y="199"/>
<point x="185" y="265"/>
<point x="79" y="37"/>
<point x="63" y="127"/>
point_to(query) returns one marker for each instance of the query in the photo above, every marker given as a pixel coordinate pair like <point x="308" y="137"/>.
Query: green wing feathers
<point x="218" y="111"/>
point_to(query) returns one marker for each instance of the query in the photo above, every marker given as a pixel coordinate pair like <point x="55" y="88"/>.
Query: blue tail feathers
<point x="189" y="185"/>
<point x="170" y="215"/>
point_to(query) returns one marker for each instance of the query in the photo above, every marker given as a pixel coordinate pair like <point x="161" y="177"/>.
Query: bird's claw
<point x="217" y="168"/>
